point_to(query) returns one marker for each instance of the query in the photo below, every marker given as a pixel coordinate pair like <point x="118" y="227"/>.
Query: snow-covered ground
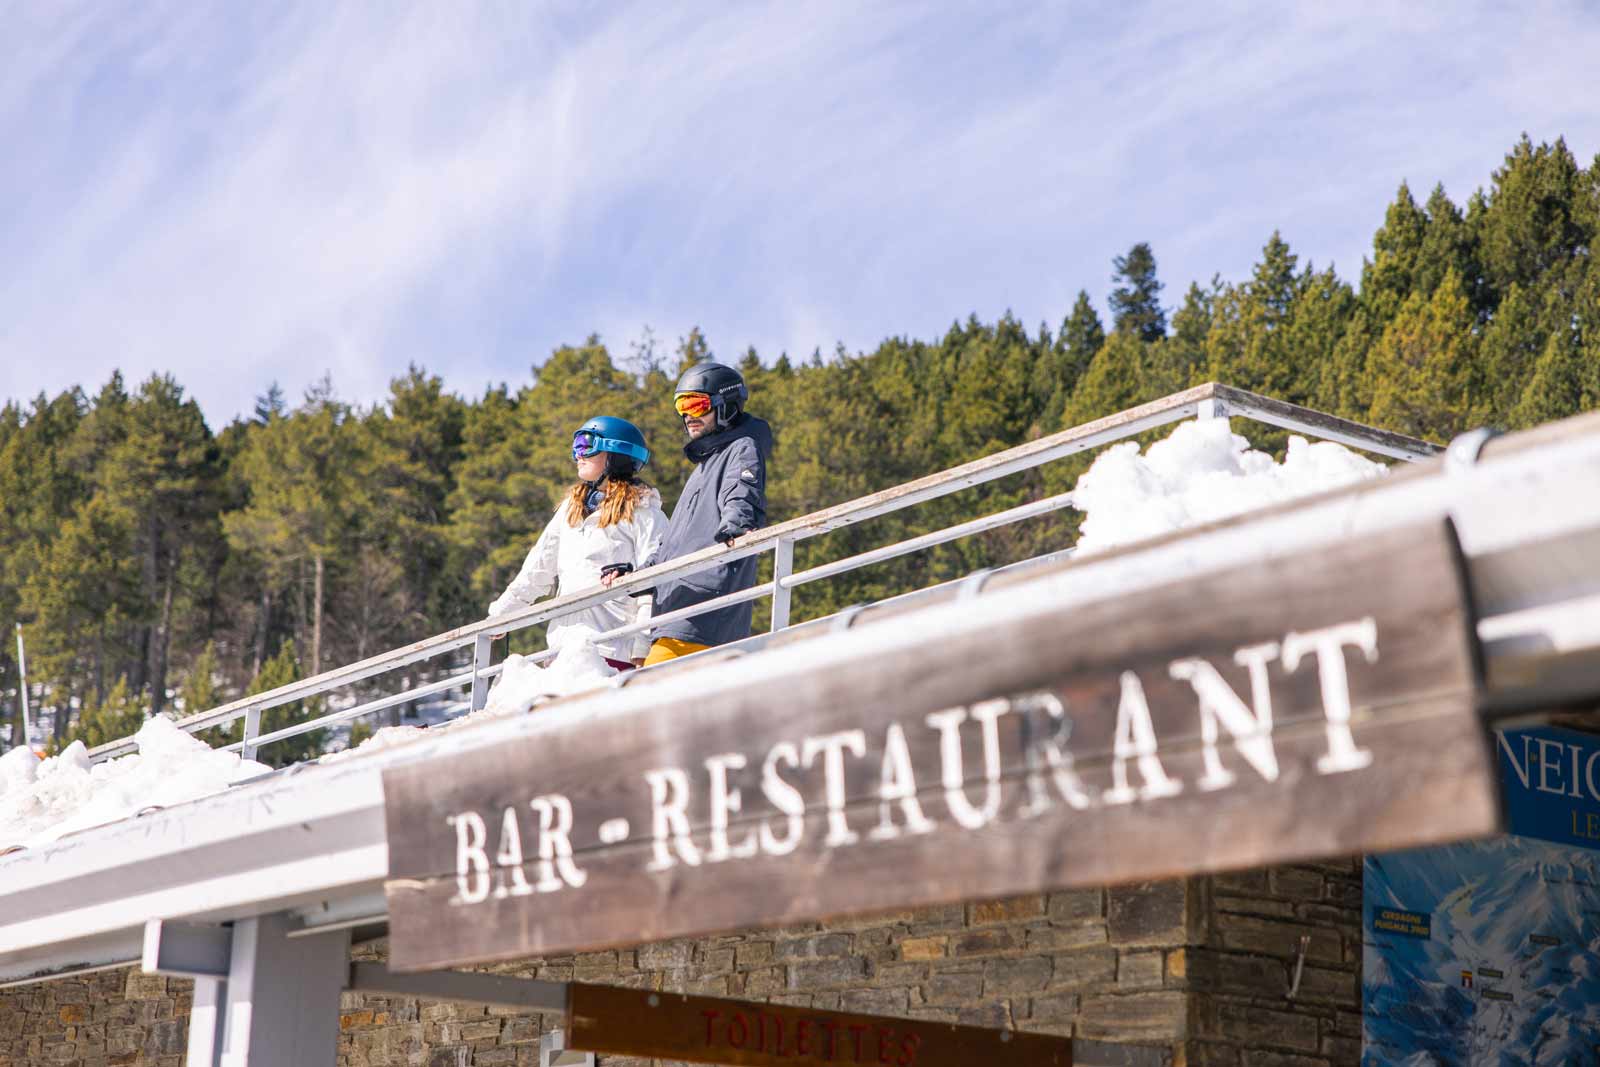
<point x="1199" y="473"/>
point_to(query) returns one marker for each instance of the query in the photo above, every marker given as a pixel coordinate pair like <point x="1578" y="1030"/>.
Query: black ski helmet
<point x="724" y="385"/>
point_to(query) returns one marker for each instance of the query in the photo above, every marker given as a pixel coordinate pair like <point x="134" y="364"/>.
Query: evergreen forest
<point x="161" y="564"/>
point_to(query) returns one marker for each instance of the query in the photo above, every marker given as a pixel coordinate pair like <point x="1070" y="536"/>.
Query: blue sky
<point x="239" y="193"/>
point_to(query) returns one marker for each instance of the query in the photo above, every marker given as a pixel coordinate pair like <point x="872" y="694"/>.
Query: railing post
<point x="480" y="662"/>
<point x="782" y="567"/>
<point x="252" y="730"/>
<point x="1211" y="408"/>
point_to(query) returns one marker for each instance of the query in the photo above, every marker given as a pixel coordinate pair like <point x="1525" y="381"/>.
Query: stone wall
<point x="1243" y="965"/>
<point x="1196" y="972"/>
<point x="108" y="1019"/>
<point x="1098" y="964"/>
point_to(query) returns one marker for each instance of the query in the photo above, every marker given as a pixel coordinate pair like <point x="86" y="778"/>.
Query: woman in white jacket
<point x="609" y="522"/>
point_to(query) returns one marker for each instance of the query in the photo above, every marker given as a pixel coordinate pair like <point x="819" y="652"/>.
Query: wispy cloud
<point x="273" y="192"/>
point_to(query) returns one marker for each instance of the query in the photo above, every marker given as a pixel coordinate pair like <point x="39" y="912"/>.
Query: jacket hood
<point x="745" y="426"/>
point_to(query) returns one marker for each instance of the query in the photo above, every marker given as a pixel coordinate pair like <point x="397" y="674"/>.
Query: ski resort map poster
<point x="1488" y="952"/>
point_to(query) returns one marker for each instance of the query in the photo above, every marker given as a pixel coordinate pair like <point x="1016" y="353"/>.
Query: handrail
<point x="1209" y="400"/>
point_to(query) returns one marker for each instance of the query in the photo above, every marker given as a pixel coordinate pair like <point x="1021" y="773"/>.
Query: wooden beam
<point x="1297" y="707"/>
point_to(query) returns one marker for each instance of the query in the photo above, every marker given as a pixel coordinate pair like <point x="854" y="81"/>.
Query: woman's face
<point x="591" y="468"/>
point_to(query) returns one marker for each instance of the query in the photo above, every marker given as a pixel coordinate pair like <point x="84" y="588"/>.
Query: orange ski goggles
<point x="692" y="405"/>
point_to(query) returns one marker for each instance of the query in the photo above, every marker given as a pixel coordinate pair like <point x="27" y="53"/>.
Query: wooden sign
<point x="1308" y="705"/>
<point x="670" y="1026"/>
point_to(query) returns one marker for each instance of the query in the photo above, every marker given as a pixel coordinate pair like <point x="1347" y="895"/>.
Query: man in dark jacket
<point x="725" y="496"/>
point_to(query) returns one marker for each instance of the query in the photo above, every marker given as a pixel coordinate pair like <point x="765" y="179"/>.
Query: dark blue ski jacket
<point x="725" y="496"/>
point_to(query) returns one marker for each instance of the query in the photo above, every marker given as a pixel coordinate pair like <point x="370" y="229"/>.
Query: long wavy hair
<point x="622" y="495"/>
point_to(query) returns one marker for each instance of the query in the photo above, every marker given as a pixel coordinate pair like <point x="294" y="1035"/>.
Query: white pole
<point x="22" y="686"/>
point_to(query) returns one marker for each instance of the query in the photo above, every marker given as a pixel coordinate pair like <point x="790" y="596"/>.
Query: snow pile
<point x="1200" y="473"/>
<point x="577" y="668"/>
<point x="43" y="800"/>
<point x="522" y="684"/>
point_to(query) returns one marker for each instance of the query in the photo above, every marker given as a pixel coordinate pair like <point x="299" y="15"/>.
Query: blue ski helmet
<point x="618" y="437"/>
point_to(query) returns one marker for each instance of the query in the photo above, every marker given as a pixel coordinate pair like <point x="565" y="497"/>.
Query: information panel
<point x="1484" y="953"/>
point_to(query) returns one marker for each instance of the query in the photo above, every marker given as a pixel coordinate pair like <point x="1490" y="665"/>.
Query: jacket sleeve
<point x="649" y="526"/>
<point x="538" y="574"/>
<point x="742" y="495"/>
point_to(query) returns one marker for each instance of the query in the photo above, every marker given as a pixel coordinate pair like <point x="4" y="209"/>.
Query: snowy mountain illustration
<point x="1508" y="973"/>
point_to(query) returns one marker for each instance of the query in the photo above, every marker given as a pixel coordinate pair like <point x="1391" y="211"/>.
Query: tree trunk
<point x="100" y="664"/>
<point x="160" y="644"/>
<point x="262" y="623"/>
<point x="316" y="617"/>
<point x="63" y="718"/>
<point x="300" y="620"/>
<point x="147" y="636"/>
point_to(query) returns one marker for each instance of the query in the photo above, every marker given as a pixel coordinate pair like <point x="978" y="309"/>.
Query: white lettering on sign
<point x="1534" y="769"/>
<point x="555" y="844"/>
<point x="1328" y="645"/>
<point x="953" y="773"/>
<point x="472" y="862"/>
<point x="752" y="806"/>
<point x="1251" y="733"/>
<point x="1050" y="753"/>
<point x="897" y="784"/>
<point x="669" y="820"/>
<point x="509" y="858"/>
<point x="1136" y="739"/>
<point x="831" y="747"/>
<point x="725" y="802"/>
<point x="783" y="796"/>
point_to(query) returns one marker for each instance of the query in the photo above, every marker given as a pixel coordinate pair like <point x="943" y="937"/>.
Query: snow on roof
<point x="44" y="800"/>
<point x="1201" y="472"/>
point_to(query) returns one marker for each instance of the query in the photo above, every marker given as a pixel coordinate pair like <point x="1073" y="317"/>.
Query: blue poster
<point x="1488" y="952"/>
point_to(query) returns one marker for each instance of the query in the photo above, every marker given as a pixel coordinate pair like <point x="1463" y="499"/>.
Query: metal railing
<point x="1207" y="401"/>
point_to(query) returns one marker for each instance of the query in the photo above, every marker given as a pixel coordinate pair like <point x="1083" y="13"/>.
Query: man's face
<point x="700" y="425"/>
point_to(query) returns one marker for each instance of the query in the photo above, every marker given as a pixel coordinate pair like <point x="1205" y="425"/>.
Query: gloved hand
<point x="501" y="605"/>
<point x="726" y="535"/>
<point x="611" y="572"/>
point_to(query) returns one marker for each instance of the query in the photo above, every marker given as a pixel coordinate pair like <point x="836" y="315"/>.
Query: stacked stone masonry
<point x="1195" y="971"/>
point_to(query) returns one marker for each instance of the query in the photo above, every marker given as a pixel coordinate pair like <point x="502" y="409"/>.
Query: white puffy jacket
<point x="570" y="557"/>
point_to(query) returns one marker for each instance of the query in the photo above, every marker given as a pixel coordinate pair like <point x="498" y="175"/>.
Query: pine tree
<point x="1178" y="361"/>
<point x="1511" y="345"/>
<point x="200" y="691"/>
<point x="409" y="458"/>
<point x="1389" y="278"/>
<point x="303" y="477"/>
<point x="1557" y="387"/>
<point x="116" y="715"/>
<point x="1533" y="220"/>
<point x="1450" y="244"/>
<point x="162" y="471"/>
<point x="1116" y="380"/>
<point x="280" y="670"/>
<point x="1420" y="368"/>
<point x="494" y="501"/>
<point x="270" y="405"/>
<point x="1249" y="338"/>
<point x="1080" y="338"/>
<point x="1136" y="301"/>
